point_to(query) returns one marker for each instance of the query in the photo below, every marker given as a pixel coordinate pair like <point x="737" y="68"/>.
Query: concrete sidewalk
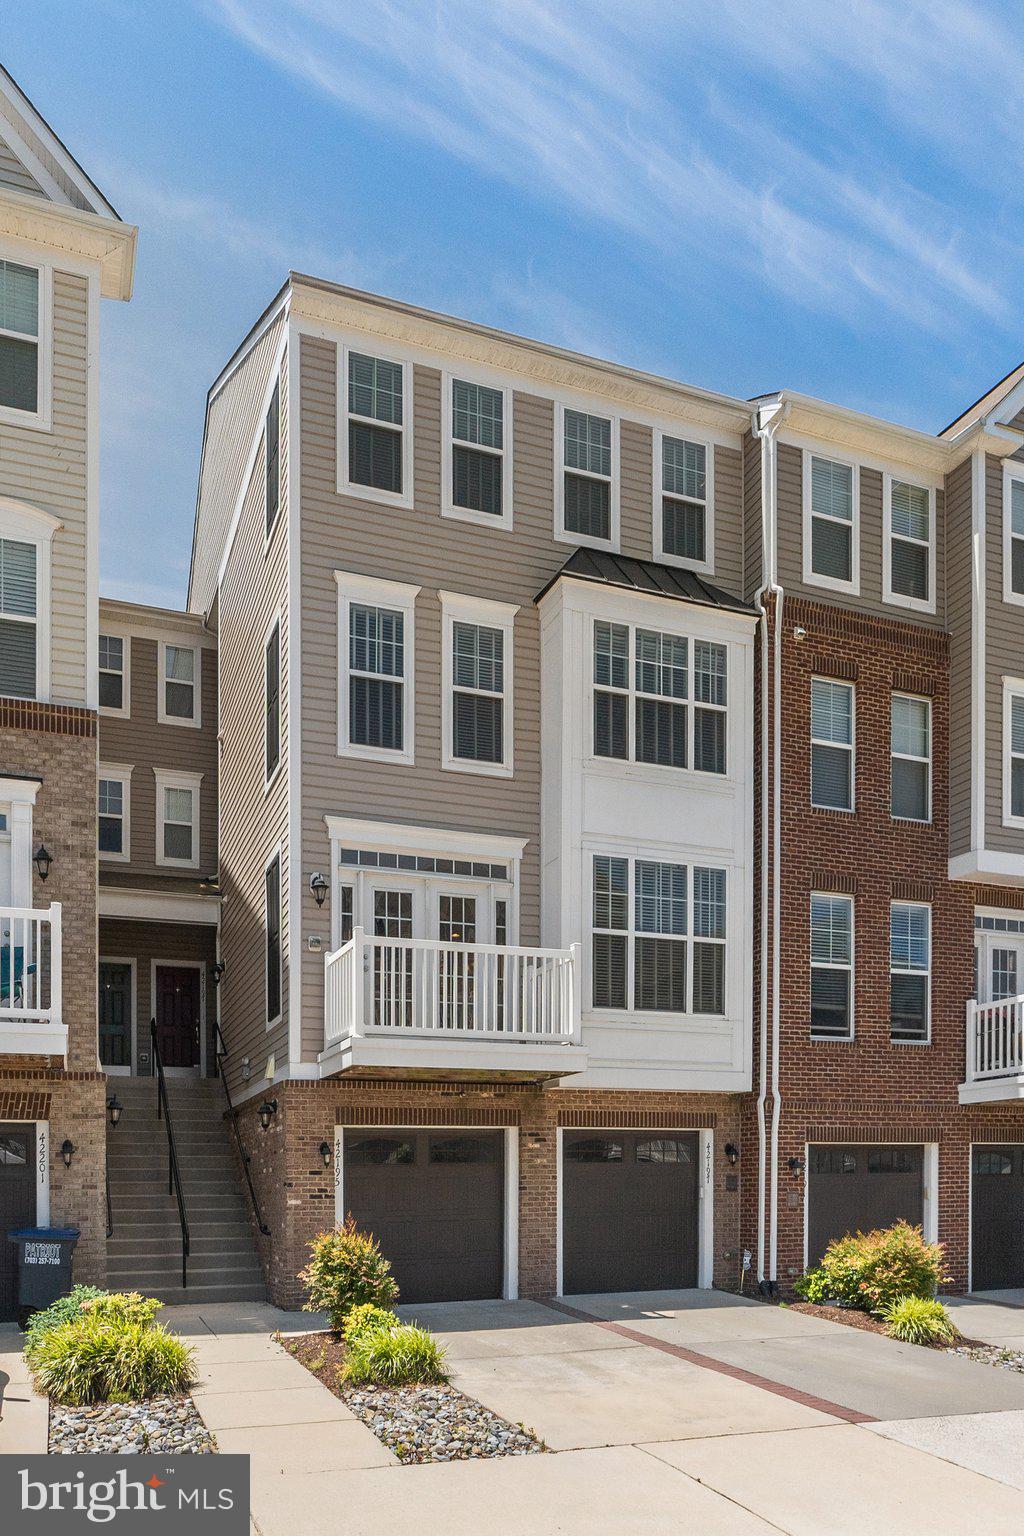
<point x="24" y="1415"/>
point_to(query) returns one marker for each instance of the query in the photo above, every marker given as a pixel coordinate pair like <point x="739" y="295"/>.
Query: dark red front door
<point x="177" y="1014"/>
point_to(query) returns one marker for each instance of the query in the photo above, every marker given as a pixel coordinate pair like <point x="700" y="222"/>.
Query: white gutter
<point x="764" y="424"/>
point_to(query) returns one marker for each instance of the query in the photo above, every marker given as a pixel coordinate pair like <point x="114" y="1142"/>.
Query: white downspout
<point x="764" y="424"/>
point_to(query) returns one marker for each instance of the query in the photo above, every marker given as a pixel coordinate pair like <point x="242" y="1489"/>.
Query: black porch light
<point x="115" y="1109"/>
<point x="42" y="859"/>
<point x="732" y="1154"/>
<point x="67" y="1151"/>
<point x="318" y="886"/>
<point x="268" y="1109"/>
<point x="795" y="1166"/>
<point x="325" y="1153"/>
<point x="218" y="971"/>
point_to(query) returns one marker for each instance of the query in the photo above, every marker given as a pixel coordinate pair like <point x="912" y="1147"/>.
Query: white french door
<point x="1000" y="966"/>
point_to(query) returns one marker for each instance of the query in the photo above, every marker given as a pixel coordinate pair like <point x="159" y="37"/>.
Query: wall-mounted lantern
<point x="42" y="859"/>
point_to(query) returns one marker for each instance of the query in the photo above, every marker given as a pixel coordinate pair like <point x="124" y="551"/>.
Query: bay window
<point x="645" y="712"/>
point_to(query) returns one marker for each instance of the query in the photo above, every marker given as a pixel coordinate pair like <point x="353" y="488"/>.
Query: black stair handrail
<point x="221" y="1052"/>
<point x="110" y="1209"/>
<point x="163" y="1110"/>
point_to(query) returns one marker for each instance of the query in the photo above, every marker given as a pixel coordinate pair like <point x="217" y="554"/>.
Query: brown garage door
<point x="997" y="1217"/>
<point x="435" y="1201"/>
<point x="856" y="1189"/>
<point x="629" y="1210"/>
<point x="17" y="1204"/>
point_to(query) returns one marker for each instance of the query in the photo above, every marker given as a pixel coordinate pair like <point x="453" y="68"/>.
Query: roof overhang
<point x="85" y="237"/>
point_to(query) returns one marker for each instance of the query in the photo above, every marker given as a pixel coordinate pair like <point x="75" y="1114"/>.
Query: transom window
<point x="587" y="490"/>
<point x="19" y="337"/>
<point x="831" y="967"/>
<point x="682" y="518"/>
<point x="18" y="618"/>
<point x="909" y="544"/>
<point x="830" y="510"/>
<point x="911" y="758"/>
<point x="659" y="934"/>
<point x="478" y="450"/>
<point x="179" y="689"/>
<point x="643" y="713"/>
<point x="910" y="967"/>
<point x="113" y="673"/>
<point x="376" y="410"/>
<point x="831" y="744"/>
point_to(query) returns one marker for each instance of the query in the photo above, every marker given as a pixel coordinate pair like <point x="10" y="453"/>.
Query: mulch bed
<point x="162" y="1424"/>
<point x="417" y="1423"/>
<point x="851" y="1318"/>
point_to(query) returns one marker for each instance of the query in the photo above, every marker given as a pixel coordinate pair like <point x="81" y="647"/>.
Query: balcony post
<point x="56" y="978"/>
<point x="358" y="984"/>
<point x="969" y="1053"/>
<point x="575" y="1030"/>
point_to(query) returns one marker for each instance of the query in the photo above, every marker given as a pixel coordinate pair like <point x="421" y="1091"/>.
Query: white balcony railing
<point x="30" y="970"/>
<point x="408" y="989"/>
<point x="995" y="1039"/>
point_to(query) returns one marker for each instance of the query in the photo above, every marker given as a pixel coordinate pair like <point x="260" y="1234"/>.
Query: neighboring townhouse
<point x="62" y="248"/>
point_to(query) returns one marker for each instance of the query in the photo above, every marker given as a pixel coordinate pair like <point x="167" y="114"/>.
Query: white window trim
<point x="1013" y="687"/>
<point x="448" y="507"/>
<point x="1011" y="473"/>
<point x="831" y="583"/>
<point x="457" y="607"/>
<point x="705" y="567"/>
<point x="832" y="965"/>
<point x="41" y="419"/>
<point x="122" y="774"/>
<point x="927" y="1038"/>
<point x="916" y="698"/>
<point x="899" y="599"/>
<point x="124" y="713"/>
<point x="375" y="592"/>
<point x="561" y="533"/>
<point x="270" y="779"/>
<point x="277" y="854"/>
<point x="31" y="525"/>
<point x="197" y="686"/>
<point x="167" y="778"/>
<point x="842" y="810"/>
<point x="346" y="487"/>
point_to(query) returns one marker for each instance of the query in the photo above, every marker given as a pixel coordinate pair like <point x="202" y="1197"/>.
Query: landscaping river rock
<point x="991" y="1354"/>
<point x="436" y="1424"/>
<point x="130" y="1429"/>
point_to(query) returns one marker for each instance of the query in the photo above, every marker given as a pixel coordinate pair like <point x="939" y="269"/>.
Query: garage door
<point x="856" y="1189"/>
<point x="17" y="1204"/>
<point x="997" y="1217"/>
<point x="629" y="1210"/>
<point x="435" y="1201"/>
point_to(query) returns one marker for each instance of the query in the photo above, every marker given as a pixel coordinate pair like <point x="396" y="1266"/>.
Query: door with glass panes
<point x="1000" y="963"/>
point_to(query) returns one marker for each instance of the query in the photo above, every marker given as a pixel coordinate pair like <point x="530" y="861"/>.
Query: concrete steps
<point x="144" y="1252"/>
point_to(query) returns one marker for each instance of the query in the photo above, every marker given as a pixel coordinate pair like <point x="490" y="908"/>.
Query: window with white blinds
<point x="659" y="935"/>
<point x="830" y="522"/>
<point x="909" y="970"/>
<point x="375" y="423"/>
<point x="831" y="967"/>
<point x="1013" y="750"/>
<point x="1013" y="537"/>
<point x="911" y="758"/>
<point x="587" y="469"/>
<point x="682" y="514"/>
<point x="376" y="643"/>
<point x="832" y="727"/>
<point x="18" y="617"/>
<point x="909" y="552"/>
<point x="478" y="679"/>
<point x="648" y="708"/>
<point x="20" y="339"/>
<point x="179" y="699"/>
<point x="477" y="453"/>
<point x="177" y="810"/>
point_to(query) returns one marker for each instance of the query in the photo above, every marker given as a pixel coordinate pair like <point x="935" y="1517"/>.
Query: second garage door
<point x="997" y="1217"/>
<point x="629" y="1210"/>
<point x="856" y="1189"/>
<point x="434" y="1200"/>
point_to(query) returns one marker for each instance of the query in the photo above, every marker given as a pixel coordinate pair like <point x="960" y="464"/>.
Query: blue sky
<point x="818" y="195"/>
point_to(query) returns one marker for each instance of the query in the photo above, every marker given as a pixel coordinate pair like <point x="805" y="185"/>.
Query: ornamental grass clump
<point x="346" y="1269"/>
<point x="871" y="1270"/>
<point x="919" y="1320"/>
<point x="397" y="1356"/>
<point x="93" y="1359"/>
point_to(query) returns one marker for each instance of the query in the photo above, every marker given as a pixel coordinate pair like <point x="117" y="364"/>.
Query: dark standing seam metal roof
<point x="645" y="576"/>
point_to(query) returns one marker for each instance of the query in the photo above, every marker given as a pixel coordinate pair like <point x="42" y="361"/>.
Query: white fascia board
<point x="395" y="836"/>
<point x="988" y="867"/>
<point x="157" y="906"/>
<point x="81" y="237"/>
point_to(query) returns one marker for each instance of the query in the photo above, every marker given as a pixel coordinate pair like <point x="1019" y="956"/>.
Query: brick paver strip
<point x="709" y="1363"/>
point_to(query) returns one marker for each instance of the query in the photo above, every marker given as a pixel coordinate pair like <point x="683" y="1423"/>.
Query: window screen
<point x="19" y="336"/>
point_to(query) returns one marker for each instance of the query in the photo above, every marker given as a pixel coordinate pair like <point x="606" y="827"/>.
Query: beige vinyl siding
<point x="15" y="175"/>
<point x="147" y="744"/>
<point x="753" y="555"/>
<point x="253" y="819"/>
<point x="9" y="113"/>
<point x="1004" y="657"/>
<point x="869" y="600"/>
<point x="49" y="470"/>
<point x="728" y="572"/>
<point x="234" y="419"/>
<point x="120" y="939"/>
<point x="958" y="607"/>
<point x="636" y="521"/>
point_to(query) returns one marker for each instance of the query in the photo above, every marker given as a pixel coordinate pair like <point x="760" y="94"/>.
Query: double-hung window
<point x="177" y="818"/>
<point x="658" y="936"/>
<point x="477" y="636"/>
<point x="272" y="937"/>
<point x="272" y="699"/>
<point x="831" y="536"/>
<point x="478" y="482"/>
<point x="272" y="437"/>
<point x="587" y="490"/>
<point x="644" y="712"/>
<point x="113" y="806"/>
<point x="19" y="638"/>
<point x="909" y="970"/>
<point x="911" y="756"/>
<point x="909" y="550"/>
<point x="113" y="669"/>
<point x="374" y="427"/>
<point x="1013" y="533"/>
<point x="24" y="369"/>
<point x="831" y="967"/>
<point x="376" y="648"/>
<point x="1013" y="751"/>
<point x="832" y="728"/>
<point x="683" y="518"/>
<point x="178" y="702"/>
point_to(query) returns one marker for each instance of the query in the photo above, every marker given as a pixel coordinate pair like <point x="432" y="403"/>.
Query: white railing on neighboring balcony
<point x="403" y="988"/>
<point x="995" y="1039"/>
<point x="30" y="965"/>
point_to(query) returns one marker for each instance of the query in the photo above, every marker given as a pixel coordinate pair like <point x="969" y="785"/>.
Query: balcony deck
<point x="995" y="1052"/>
<point x="430" y="1007"/>
<point x="31" y="1020"/>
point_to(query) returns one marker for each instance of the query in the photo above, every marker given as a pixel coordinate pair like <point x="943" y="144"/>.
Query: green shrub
<point x="97" y="1359"/>
<point x="123" y="1307"/>
<point x="919" y="1320"/>
<point x="346" y="1269"/>
<point x="869" y="1270"/>
<point x="60" y="1311"/>
<point x="368" y="1319"/>
<point x="393" y="1357"/>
